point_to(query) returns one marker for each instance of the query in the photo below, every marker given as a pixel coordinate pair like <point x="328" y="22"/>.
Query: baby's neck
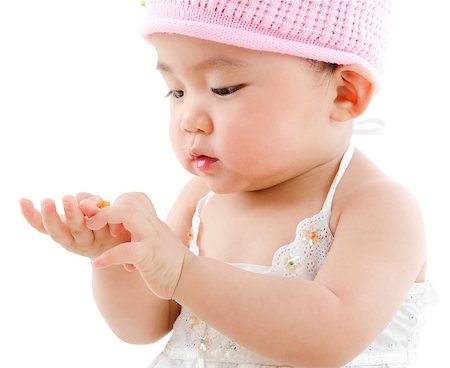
<point x="311" y="186"/>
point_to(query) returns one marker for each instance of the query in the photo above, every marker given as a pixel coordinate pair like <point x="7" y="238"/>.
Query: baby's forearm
<point x="131" y="310"/>
<point x="284" y="319"/>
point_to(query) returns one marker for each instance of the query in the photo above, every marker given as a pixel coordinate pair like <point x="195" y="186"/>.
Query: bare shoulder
<point x="180" y="216"/>
<point x="378" y="220"/>
<point x="388" y="206"/>
<point x="365" y="188"/>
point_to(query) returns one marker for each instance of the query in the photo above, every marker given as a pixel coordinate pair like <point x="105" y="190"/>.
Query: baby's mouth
<point x="203" y="163"/>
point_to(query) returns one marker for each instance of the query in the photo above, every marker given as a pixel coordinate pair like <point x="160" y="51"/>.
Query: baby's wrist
<point x="188" y="261"/>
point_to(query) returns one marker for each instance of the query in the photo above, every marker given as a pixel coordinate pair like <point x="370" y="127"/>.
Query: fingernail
<point x="90" y="220"/>
<point x="44" y="205"/>
<point x="66" y="204"/>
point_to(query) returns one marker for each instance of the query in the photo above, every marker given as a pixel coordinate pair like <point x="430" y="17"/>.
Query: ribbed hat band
<point x="335" y="31"/>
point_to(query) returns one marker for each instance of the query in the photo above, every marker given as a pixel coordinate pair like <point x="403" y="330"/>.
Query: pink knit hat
<point x="335" y="31"/>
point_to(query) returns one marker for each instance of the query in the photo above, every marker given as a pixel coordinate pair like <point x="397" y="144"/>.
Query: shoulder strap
<point x="196" y="222"/>
<point x="326" y="208"/>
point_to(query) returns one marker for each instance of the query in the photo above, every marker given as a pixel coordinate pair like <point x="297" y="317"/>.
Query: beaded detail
<point x="304" y="256"/>
<point x="293" y="261"/>
<point x="202" y="342"/>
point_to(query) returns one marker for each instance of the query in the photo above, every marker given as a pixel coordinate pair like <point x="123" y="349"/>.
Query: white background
<point x="82" y="109"/>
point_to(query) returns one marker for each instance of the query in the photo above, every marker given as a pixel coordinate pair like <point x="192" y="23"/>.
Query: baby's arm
<point x="131" y="309"/>
<point x="116" y="290"/>
<point x="377" y="253"/>
<point x="134" y="313"/>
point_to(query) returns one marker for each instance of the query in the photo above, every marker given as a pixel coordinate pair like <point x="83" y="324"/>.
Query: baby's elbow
<point x="332" y="347"/>
<point x="334" y="360"/>
<point x="140" y="337"/>
<point x="328" y="355"/>
<point x="340" y="349"/>
<point x="135" y="339"/>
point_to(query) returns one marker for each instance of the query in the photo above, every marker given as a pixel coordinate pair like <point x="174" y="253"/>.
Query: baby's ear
<point x="354" y="90"/>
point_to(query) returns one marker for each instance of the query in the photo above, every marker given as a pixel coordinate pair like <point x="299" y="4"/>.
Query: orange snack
<point x="104" y="204"/>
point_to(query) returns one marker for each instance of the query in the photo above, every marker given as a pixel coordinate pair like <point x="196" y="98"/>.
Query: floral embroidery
<point x="292" y="262"/>
<point x="190" y="236"/>
<point x="193" y="321"/>
<point x="310" y="236"/>
<point x="202" y="343"/>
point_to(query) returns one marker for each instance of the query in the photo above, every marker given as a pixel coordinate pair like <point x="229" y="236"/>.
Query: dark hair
<point x="322" y="66"/>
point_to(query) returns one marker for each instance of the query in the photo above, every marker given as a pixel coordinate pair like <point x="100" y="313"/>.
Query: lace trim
<point x="248" y="357"/>
<point x="304" y="256"/>
<point x="382" y="358"/>
<point x="196" y="341"/>
<point x="228" y="356"/>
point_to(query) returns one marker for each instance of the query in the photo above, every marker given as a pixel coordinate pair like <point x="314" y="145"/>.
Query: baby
<point x="289" y="247"/>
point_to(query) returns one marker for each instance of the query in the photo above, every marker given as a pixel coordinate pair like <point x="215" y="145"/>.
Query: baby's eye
<point x="176" y="93"/>
<point x="226" y="90"/>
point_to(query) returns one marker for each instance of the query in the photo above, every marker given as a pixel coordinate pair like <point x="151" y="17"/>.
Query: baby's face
<point x="243" y="119"/>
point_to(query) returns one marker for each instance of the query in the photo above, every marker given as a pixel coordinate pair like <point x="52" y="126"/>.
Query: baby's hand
<point x="70" y="229"/>
<point x="155" y="251"/>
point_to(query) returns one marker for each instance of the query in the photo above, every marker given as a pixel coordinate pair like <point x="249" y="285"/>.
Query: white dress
<point x="194" y="344"/>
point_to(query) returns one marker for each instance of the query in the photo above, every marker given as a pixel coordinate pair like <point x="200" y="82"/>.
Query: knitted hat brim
<point x="259" y="42"/>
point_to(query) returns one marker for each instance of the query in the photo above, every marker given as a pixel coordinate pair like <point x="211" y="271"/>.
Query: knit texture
<point x="335" y="31"/>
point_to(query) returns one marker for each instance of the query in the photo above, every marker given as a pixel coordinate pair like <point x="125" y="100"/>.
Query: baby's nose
<point x="197" y="122"/>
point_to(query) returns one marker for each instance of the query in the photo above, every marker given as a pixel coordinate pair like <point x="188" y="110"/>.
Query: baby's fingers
<point x="130" y="218"/>
<point x="123" y="254"/>
<point x="75" y="221"/>
<point x="90" y="206"/>
<point x="32" y="215"/>
<point x="52" y="222"/>
<point x="116" y="229"/>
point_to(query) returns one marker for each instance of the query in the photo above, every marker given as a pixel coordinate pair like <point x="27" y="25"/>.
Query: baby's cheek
<point x="176" y="139"/>
<point x="183" y="159"/>
<point x="180" y="148"/>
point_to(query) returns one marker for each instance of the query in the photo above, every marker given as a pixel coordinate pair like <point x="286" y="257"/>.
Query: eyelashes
<point x="223" y="91"/>
<point x="175" y="93"/>
<point x="227" y="90"/>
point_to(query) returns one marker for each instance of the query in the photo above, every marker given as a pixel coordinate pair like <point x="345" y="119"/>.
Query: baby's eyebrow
<point x="221" y="62"/>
